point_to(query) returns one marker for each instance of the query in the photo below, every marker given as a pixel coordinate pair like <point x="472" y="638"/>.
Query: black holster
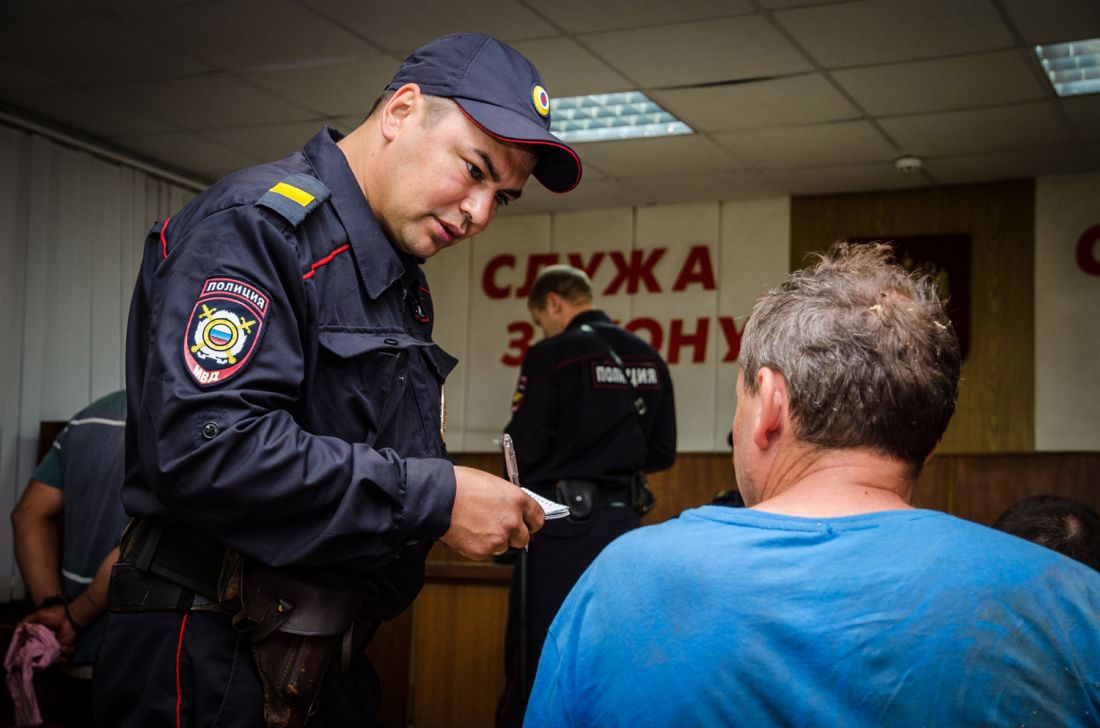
<point x="579" y="495"/>
<point x="298" y="630"/>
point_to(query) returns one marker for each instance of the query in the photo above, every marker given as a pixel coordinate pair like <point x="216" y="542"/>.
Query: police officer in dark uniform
<point x="592" y="413"/>
<point x="286" y="469"/>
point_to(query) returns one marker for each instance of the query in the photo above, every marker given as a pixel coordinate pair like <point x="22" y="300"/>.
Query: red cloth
<point x="33" y="647"/>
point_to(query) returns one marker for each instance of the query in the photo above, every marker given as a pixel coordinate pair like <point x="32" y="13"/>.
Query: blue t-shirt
<point x="728" y="616"/>
<point x="86" y="462"/>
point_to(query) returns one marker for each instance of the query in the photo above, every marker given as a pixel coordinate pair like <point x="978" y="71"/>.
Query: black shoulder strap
<point x="639" y="401"/>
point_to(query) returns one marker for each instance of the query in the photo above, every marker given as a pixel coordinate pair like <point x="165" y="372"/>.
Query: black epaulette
<point x="295" y="197"/>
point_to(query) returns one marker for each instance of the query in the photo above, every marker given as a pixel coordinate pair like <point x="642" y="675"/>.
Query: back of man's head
<point x="869" y="355"/>
<point x="572" y="284"/>
<point x="1061" y="524"/>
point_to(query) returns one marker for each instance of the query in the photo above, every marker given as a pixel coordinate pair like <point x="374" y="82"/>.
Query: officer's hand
<point x="489" y="515"/>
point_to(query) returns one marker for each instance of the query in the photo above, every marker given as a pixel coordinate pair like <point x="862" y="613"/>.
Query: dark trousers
<point x="556" y="558"/>
<point x="153" y="667"/>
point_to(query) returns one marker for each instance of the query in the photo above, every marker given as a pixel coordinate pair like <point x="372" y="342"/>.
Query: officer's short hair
<point x="437" y="106"/>
<point x="572" y="284"/>
<point x="1061" y="524"/>
<point x="869" y="355"/>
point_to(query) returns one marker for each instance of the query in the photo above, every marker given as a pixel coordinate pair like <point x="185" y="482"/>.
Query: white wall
<point x="744" y="245"/>
<point x="71" y="230"/>
<point x="1067" y="313"/>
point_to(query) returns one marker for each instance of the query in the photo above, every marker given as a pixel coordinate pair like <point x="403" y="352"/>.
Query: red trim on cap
<point x="163" y="240"/>
<point x="529" y="141"/>
<point x="323" y="261"/>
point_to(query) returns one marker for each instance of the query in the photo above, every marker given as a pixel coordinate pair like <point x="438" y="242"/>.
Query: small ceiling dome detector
<point x="908" y="164"/>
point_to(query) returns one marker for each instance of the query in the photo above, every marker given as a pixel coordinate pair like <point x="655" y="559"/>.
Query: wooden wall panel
<point x="458" y="648"/>
<point x="996" y="410"/>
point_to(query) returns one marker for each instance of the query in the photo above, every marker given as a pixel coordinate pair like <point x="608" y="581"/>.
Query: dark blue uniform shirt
<point x="573" y="414"/>
<point x="284" y="389"/>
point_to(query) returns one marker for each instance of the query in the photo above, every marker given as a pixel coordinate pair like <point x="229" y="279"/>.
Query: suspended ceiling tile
<point x="943" y="84"/>
<point x="700" y="52"/>
<point x="690" y="153"/>
<point x="1010" y="165"/>
<point x="187" y="152"/>
<point x="91" y="50"/>
<point x="247" y="34"/>
<point x="14" y="77"/>
<point x="205" y="102"/>
<point x="980" y="130"/>
<point x="571" y="70"/>
<point x="1054" y="21"/>
<point x="1084" y="114"/>
<point x="124" y="5"/>
<point x="842" y="142"/>
<point x="77" y="110"/>
<point x="401" y="27"/>
<point x="269" y="142"/>
<point x="738" y="184"/>
<point x="46" y="10"/>
<point x="844" y="178"/>
<point x="861" y="33"/>
<point x="795" y="100"/>
<point x="336" y="89"/>
<point x="784" y="4"/>
<point x="588" y="195"/>
<point x="586" y="16"/>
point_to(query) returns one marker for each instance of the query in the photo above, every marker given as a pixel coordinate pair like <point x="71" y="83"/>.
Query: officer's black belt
<point x="133" y="590"/>
<point x="182" y="559"/>
<point x="605" y="495"/>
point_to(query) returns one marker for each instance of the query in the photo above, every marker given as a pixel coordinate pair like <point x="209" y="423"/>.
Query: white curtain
<point x="71" y="232"/>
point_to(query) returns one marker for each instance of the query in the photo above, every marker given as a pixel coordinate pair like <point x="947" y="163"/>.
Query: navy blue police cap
<point x="500" y="91"/>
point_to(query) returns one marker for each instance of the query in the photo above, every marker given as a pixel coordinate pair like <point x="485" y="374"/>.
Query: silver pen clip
<point x="510" y="460"/>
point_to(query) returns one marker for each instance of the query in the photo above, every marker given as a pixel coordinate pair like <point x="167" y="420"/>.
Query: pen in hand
<point x="510" y="464"/>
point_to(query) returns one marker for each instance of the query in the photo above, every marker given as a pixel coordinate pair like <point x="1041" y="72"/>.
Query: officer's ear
<point x="554" y="304"/>
<point x="398" y="110"/>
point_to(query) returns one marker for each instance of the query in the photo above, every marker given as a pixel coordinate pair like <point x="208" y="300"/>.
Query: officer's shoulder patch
<point x="224" y="330"/>
<point x="521" y="391"/>
<point x="295" y="197"/>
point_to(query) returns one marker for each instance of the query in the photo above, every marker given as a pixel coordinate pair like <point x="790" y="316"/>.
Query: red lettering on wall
<point x="678" y="339"/>
<point x="522" y="333"/>
<point x="488" y="278"/>
<point x="697" y="268"/>
<point x="577" y="261"/>
<point x="732" y="336"/>
<point x="638" y="269"/>
<point x="1086" y="251"/>
<point x="656" y="335"/>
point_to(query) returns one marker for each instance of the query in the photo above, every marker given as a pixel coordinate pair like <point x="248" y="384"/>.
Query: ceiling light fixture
<point x="607" y="117"/>
<point x="1074" y="67"/>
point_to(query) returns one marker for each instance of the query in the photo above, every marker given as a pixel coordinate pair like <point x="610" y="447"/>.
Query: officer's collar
<point x="591" y="316"/>
<point x="379" y="264"/>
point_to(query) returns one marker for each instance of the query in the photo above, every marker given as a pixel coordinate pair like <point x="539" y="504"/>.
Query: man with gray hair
<point x="829" y="600"/>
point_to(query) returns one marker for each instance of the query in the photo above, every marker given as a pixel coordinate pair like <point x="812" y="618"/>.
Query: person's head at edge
<point x="850" y="368"/>
<point x="558" y="294"/>
<point x="1061" y="524"/>
<point x="454" y="137"/>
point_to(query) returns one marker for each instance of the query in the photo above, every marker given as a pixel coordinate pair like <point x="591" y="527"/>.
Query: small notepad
<point x="549" y="507"/>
